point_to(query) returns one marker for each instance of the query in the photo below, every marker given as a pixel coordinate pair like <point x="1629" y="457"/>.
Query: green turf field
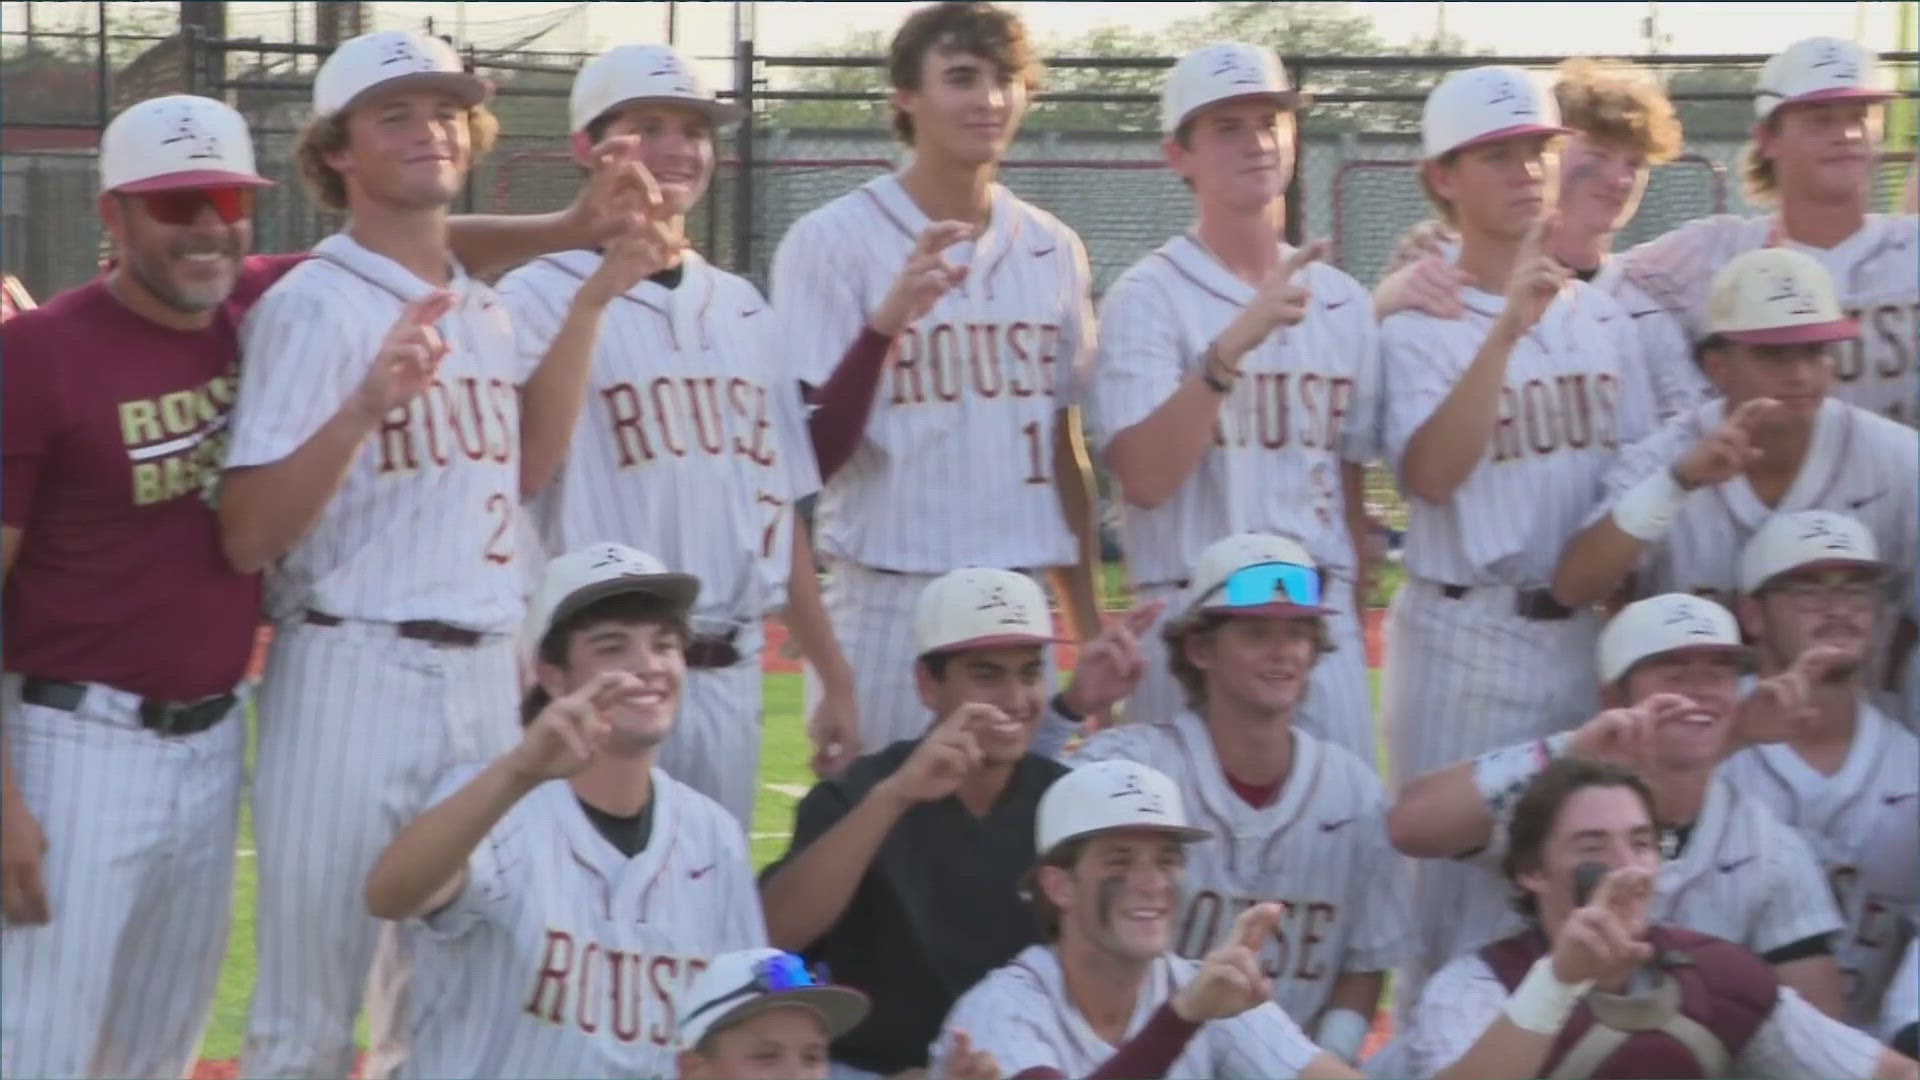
<point x="784" y="778"/>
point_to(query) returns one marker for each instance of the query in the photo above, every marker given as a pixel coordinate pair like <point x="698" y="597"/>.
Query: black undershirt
<point x="1817" y="945"/>
<point x="1587" y="275"/>
<point x="628" y="835"/>
<point x="670" y="277"/>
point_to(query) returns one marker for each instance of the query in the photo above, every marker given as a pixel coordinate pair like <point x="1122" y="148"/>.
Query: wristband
<point x="1500" y="775"/>
<point x="1647" y="509"/>
<point x="1342" y="1033"/>
<point x="1542" y="1003"/>
<point x="1214" y="382"/>
<point x="1059" y="704"/>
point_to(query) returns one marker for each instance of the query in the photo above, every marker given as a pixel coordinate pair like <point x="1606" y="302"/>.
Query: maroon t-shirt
<point x="112" y="432"/>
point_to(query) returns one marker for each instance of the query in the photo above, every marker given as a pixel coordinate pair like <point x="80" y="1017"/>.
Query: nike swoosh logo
<point x="1892" y="800"/>
<point x="1332" y="304"/>
<point x="702" y="872"/>
<point x="1048" y="250"/>
<point x="1856" y="504"/>
<point x="1730" y="867"/>
<point x="1329" y="826"/>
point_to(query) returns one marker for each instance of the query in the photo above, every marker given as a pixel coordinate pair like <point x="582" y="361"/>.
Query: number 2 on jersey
<point x="500" y="544"/>
<point x="1036" y="453"/>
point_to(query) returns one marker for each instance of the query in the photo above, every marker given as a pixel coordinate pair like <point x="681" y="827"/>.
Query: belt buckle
<point x="172" y="718"/>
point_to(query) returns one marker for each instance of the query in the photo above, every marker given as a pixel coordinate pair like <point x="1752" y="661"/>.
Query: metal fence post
<point x="743" y="151"/>
<point x="1296" y="193"/>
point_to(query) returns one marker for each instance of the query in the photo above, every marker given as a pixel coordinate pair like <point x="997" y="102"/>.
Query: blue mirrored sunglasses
<point x="770" y="976"/>
<point x="1264" y="583"/>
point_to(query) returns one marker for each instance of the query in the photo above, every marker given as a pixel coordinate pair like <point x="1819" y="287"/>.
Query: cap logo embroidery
<point x="1785" y="289"/>
<point x="1690" y="621"/>
<point x="670" y="68"/>
<point x="401" y="51"/>
<point x="1145" y="802"/>
<point x="1843" y="69"/>
<point x="1230" y="67"/>
<point x="202" y="144"/>
<point x="997" y="600"/>
<point x="1818" y="530"/>
<point x="1502" y="92"/>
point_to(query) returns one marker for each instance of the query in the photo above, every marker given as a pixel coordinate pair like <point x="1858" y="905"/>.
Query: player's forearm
<point x="1357" y="991"/>
<point x="266" y="509"/>
<point x="421" y="870"/>
<point x="806" y="617"/>
<point x="1445" y="450"/>
<point x="808" y="894"/>
<point x="1595" y="562"/>
<point x="551" y="401"/>
<point x="487" y="244"/>
<point x="1440" y="815"/>
<point x="1505" y="1051"/>
<point x="1893" y="1065"/>
<point x="841" y="407"/>
<point x="1817" y="978"/>
<point x="1080" y="506"/>
<point x="1151" y="459"/>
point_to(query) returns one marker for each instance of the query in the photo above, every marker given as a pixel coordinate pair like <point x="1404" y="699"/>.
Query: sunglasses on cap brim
<point x="773" y="975"/>
<point x="182" y="206"/>
<point x="1265" y="584"/>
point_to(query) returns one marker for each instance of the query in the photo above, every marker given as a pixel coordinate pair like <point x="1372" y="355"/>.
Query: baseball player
<point x="561" y="898"/>
<point x="759" y="1014"/>
<point x="1296" y="821"/>
<point x="381" y="442"/>
<point x="1890" y="880"/>
<point x="1814" y="152"/>
<point x="1621" y="125"/>
<point x="121" y="757"/>
<point x="1104" y="993"/>
<point x="904" y="872"/>
<point x="1815" y="580"/>
<point x="1237" y="383"/>
<point x="1671" y="667"/>
<point x="693" y="443"/>
<point x="974" y="307"/>
<point x="1605" y="985"/>
<point x="1680" y="504"/>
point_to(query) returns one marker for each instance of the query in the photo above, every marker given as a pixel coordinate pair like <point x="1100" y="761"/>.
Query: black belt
<point x="707" y="651"/>
<point x="170" y="718"/>
<point x="427" y="630"/>
<point x="1536" y="604"/>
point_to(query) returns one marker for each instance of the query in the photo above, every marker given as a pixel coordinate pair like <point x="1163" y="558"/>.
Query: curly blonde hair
<point x="321" y="136"/>
<point x="1618" y="103"/>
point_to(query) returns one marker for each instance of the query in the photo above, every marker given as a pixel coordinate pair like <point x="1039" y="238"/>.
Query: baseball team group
<point x="517" y="496"/>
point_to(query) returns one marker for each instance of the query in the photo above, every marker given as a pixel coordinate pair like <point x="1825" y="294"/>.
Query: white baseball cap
<point x="737" y="985"/>
<point x="1818" y="69"/>
<point x="1223" y="71"/>
<point x="1487" y="103"/>
<point x="1109" y="795"/>
<point x="978" y="608"/>
<point x="595" y="572"/>
<point x="1776" y="296"/>
<point x="628" y="74"/>
<point x="1225" y="557"/>
<point x="375" y="60"/>
<point x="1806" y="540"/>
<point x="177" y="141"/>
<point x="1666" y="623"/>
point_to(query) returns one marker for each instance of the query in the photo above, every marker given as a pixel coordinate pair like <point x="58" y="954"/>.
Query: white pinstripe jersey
<point x="1858" y="464"/>
<point x="562" y="957"/>
<point x="1308" y="399"/>
<point x="1903" y="994"/>
<point x="1876" y="273"/>
<point x="693" y="442"/>
<point x="956" y="468"/>
<point x="426" y="524"/>
<point x="1835" y="815"/>
<point x="1743" y="875"/>
<point x="1572" y="396"/>
<point x="1795" y="1041"/>
<point x="1020" y="1013"/>
<point x="1319" y="850"/>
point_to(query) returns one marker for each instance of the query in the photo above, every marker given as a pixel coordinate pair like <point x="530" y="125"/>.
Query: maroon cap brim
<point x="1804" y="334"/>
<point x="998" y="641"/>
<point x="1839" y="93"/>
<point x="193" y="178"/>
<point x="1515" y="132"/>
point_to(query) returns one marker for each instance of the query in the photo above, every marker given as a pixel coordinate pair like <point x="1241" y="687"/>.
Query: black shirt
<point x="938" y="908"/>
<point x="628" y="835"/>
